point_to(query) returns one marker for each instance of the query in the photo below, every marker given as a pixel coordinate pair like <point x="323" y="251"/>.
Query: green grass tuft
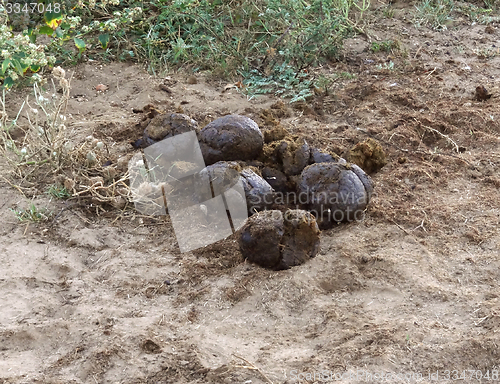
<point x="434" y="13"/>
<point x="32" y="214"/>
<point x="58" y="191"/>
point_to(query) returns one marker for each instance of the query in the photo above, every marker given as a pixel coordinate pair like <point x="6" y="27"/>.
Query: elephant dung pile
<point x="291" y="190"/>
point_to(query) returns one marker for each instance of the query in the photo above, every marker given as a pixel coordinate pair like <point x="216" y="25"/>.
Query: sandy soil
<point x="97" y="295"/>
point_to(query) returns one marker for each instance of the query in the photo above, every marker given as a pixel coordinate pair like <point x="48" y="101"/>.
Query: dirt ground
<point x="99" y="295"/>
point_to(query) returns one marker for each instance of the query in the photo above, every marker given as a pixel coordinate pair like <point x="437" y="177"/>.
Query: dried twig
<point x="422" y="223"/>
<point x="442" y="135"/>
<point x="252" y="367"/>
<point x="13" y="185"/>
<point x="481" y="320"/>
<point x="399" y="226"/>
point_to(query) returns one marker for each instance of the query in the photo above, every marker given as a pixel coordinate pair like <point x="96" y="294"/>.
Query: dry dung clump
<point x="275" y="134"/>
<point x="280" y="241"/>
<point x="269" y="155"/>
<point x="294" y="154"/>
<point x="231" y="137"/>
<point x="280" y="110"/>
<point x="220" y="177"/>
<point x="290" y="153"/>
<point x="276" y="179"/>
<point x="335" y="192"/>
<point x="271" y="116"/>
<point x="163" y="126"/>
<point x="318" y="156"/>
<point x="368" y="155"/>
<point x="301" y="239"/>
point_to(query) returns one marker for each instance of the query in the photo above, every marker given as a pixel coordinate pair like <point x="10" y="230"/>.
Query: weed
<point x="284" y="81"/>
<point x="5" y="125"/>
<point x="347" y="75"/>
<point x="486" y="53"/>
<point x="323" y="83"/>
<point x="257" y="38"/>
<point x="32" y="213"/>
<point x="434" y="13"/>
<point x="384" y="46"/>
<point x="389" y="12"/>
<point x="58" y="191"/>
<point x="491" y="4"/>
<point x="389" y="66"/>
<point x="20" y="56"/>
<point x="477" y="14"/>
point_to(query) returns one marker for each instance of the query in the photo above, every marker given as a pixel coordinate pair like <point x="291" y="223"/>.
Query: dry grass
<point x="46" y="149"/>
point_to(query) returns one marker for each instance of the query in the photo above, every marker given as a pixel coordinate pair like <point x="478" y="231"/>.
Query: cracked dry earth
<point x="104" y="296"/>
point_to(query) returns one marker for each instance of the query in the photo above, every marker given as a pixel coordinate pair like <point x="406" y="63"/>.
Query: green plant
<point x="434" y="13"/>
<point x="203" y="34"/>
<point x="32" y="213"/>
<point x="389" y="66"/>
<point x="389" y="12"/>
<point x="58" y="191"/>
<point x="487" y="52"/>
<point x="477" y="14"/>
<point x="5" y="125"/>
<point x="323" y="83"/>
<point x="384" y="46"/>
<point x="283" y="81"/>
<point x="20" y="57"/>
<point x="347" y="75"/>
<point x="491" y="4"/>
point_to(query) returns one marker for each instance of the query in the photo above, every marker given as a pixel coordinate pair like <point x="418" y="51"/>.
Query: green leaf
<point x="19" y="55"/>
<point x="46" y="30"/>
<point x="5" y="65"/>
<point x="35" y="68"/>
<point x="59" y="33"/>
<point x="8" y="82"/>
<point x="17" y="66"/>
<point x="104" y="40"/>
<point x="52" y="19"/>
<point x="24" y="67"/>
<point x="80" y="44"/>
<point x="32" y="35"/>
<point x="65" y="25"/>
